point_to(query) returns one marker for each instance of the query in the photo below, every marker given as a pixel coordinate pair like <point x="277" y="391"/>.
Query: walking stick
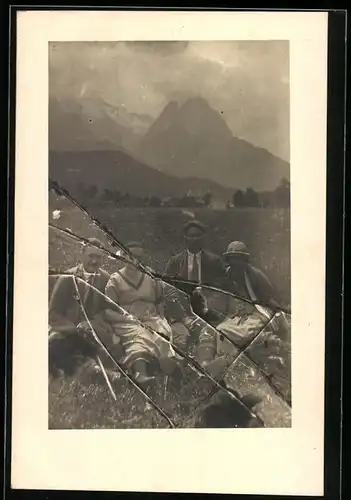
<point x="106" y="378"/>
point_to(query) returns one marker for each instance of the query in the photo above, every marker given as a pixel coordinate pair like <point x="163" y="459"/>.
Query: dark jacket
<point x="263" y="290"/>
<point x="212" y="268"/>
<point x="64" y="307"/>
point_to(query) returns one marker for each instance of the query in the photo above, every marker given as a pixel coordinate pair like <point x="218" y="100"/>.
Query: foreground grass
<point x="87" y="404"/>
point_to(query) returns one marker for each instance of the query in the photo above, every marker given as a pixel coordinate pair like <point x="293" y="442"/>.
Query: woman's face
<point x="138" y="253"/>
<point x="237" y="262"/>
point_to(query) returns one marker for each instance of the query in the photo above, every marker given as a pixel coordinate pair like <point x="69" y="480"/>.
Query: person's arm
<point x="62" y="293"/>
<point x="159" y="297"/>
<point x="113" y="311"/>
<point x="222" y="280"/>
<point x="171" y="267"/>
<point x="177" y="304"/>
<point x="111" y="292"/>
<point x="268" y="292"/>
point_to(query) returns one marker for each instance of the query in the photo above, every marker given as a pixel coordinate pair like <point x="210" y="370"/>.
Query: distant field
<point x="267" y="234"/>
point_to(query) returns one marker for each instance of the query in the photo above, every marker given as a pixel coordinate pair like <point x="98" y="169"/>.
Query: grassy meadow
<point x="86" y="403"/>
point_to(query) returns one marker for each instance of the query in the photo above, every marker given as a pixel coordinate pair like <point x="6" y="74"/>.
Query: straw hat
<point x="236" y="248"/>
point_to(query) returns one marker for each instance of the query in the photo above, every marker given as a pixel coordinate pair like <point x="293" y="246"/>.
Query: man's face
<point x="194" y="239"/>
<point x="92" y="258"/>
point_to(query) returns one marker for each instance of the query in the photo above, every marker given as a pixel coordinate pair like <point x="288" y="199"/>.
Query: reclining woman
<point x="141" y="296"/>
<point x="242" y="321"/>
<point x="251" y="283"/>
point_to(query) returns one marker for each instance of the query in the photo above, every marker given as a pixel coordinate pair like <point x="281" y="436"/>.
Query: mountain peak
<point x="173" y="105"/>
<point x="196" y="101"/>
<point x="193" y="139"/>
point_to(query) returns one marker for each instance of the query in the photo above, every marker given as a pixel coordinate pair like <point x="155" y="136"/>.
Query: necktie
<point x="195" y="269"/>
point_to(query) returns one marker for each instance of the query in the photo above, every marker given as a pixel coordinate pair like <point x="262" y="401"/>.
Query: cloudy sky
<point x="248" y="81"/>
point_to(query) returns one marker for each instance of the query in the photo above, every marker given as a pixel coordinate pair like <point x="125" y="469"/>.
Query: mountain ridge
<point x="187" y="140"/>
<point x="119" y="170"/>
<point x="194" y="137"/>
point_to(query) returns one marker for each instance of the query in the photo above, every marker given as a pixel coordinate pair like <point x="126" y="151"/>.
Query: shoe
<point x="168" y="364"/>
<point x="143" y="380"/>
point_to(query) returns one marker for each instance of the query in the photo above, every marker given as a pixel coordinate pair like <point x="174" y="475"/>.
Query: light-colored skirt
<point x="140" y="339"/>
<point x="240" y="330"/>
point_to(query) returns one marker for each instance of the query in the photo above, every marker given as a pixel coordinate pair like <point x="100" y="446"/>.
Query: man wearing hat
<point x="246" y="280"/>
<point x="195" y="263"/>
<point x="251" y="283"/>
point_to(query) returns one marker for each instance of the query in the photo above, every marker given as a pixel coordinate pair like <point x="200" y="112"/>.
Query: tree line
<point x="279" y="198"/>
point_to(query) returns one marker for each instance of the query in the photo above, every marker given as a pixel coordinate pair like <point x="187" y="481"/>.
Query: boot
<point x="141" y="375"/>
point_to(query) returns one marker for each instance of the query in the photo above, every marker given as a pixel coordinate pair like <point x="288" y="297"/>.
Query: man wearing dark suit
<point x="70" y="336"/>
<point x="195" y="263"/>
<point x="199" y="266"/>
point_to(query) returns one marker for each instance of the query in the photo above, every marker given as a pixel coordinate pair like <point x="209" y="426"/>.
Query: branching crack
<point x="177" y="284"/>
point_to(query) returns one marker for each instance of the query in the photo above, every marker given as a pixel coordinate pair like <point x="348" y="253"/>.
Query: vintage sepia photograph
<point x="169" y="254"/>
<point x="169" y="234"/>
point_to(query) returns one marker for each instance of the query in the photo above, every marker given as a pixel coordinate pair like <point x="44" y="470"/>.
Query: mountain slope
<point x="120" y="171"/>
<point x="194" y="140"/>
<point x="88" y="124"/>
<point x="191" y="140"/>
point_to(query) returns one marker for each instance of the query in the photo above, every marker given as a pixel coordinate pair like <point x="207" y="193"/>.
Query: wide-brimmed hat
<point x="236" y="248"/>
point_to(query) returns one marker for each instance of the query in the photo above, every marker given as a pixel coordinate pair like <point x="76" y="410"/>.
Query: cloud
<point x="247" y="81"/>
<point x="160" y="48"/>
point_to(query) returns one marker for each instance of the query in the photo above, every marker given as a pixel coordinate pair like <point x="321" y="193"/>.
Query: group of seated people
<point x="142" y="320"/>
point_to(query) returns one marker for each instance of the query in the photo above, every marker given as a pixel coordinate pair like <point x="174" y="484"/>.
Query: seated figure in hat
<point x="246" y="280"/>
<point x="252" y="284"/>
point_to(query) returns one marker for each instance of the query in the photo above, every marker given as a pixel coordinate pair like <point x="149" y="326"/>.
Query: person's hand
<point x="97" y="326"/>
<point x="187" y="321"/>
<point x="83" y="327"/>
<point x="199" y="302"/>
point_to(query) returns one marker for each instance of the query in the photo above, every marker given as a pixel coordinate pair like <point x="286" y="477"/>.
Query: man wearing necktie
<point x="194" y="264"/>
<point x="194" y="267"/>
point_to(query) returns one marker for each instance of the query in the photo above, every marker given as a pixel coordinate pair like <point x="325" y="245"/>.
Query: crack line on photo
<point x="85" y="241"/>
<point x="168" y="279"/>
<point x="216" y="389"/>
<point x="106" y="350"/>
<point x="190" y="360"/>
<point x="241" y="350"/>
